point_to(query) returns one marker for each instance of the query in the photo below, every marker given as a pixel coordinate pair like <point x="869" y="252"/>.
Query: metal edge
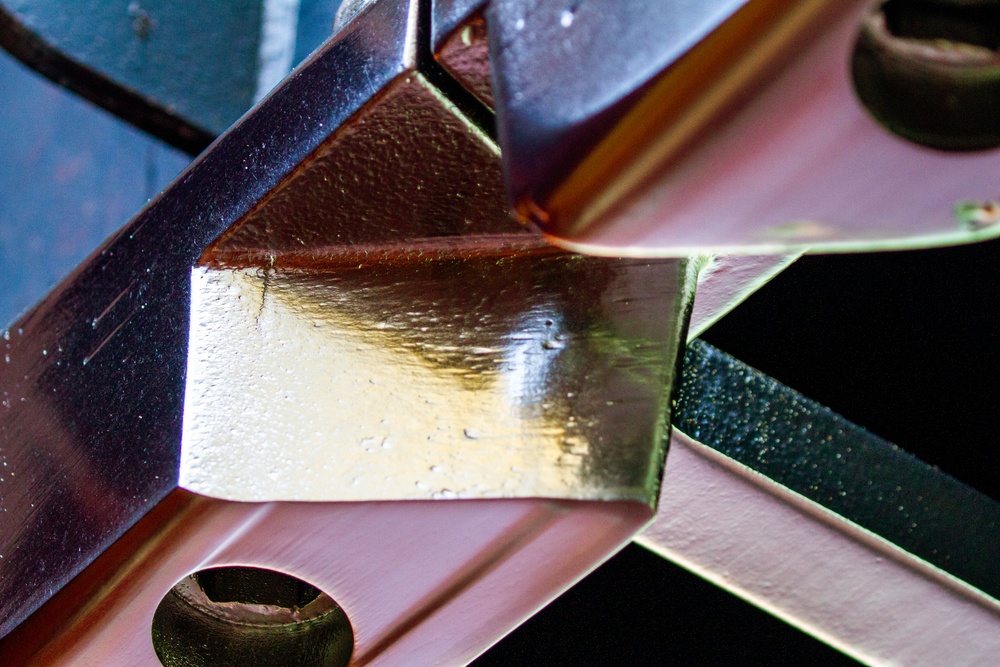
<point x="756" y="421"/>
<point x="813" y="568"/>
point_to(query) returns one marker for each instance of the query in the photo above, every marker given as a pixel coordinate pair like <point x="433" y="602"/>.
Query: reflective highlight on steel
<point x="385" y="330"/>
<point x="535" y="374"/>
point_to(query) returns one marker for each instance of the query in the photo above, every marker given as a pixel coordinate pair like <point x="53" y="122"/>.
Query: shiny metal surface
<point x="409" y="170"/>
<point x="241" y="615"/>
<point x="90" y="418"/>
<point x="810" y="517"/>
<point x="545" y="375"/>
<point x="726" y="281"/>
<point x="350" y="205"/>
<point x="92" y="412"/>
<point x="407" y="574"/>
<point x="639" y="145"/>
<point x="815" y="569"/>
<point x="566" y="74"/>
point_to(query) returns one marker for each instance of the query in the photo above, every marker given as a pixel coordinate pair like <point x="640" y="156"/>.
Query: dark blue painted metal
<point x="182" y="71"/>
<point x="70" y="176"/>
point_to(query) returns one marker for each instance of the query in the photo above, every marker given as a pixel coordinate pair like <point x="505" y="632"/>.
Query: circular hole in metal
<point x="248" y="616"/>
<point x="929" y="71"/>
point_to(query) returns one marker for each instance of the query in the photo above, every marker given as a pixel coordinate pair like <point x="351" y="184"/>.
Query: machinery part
<point x="101" y="363"/>
<point x="813" y="452"/>
<point x="829" y="577"/>
<point x="634" y="130"/>
<point x="822" y="543"/>
<point x="930" y="71"/>
<point x="465" y="55"/>
<point x="547" y="375"/>
<point x="241" y="615"/>
<point x="740" y="133"/>
<point x="838" y="532"/>
<point x="254" y="240"/>
<point x="405" y="573"/>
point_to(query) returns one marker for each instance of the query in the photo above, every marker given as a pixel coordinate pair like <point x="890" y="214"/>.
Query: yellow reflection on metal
<point x="380" y="329"/>
<point x="537" y="374"/>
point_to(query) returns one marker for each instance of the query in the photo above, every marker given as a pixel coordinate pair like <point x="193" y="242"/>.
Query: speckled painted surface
<point x="813" y="451"/>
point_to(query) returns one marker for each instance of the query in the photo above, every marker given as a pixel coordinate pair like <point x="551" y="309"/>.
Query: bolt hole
<point x="251" y="585"/>
<point x="961" y="23"/>
<point x="929" y="71"/>
<point x="246" y="616"/>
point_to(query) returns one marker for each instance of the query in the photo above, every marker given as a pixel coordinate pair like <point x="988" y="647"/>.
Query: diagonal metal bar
<point x="837" y="531"/>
